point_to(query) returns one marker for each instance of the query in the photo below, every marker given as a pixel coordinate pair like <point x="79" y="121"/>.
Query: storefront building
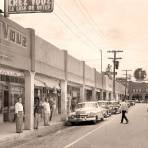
<point x="15" y="63"/>
<point x="32" y="67"/>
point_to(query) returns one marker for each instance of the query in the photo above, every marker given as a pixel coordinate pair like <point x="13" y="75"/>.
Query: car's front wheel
<point x="96" y="120"/>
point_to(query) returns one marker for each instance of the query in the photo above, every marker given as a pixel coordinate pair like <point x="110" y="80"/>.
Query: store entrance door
<point x="6" y="105"/>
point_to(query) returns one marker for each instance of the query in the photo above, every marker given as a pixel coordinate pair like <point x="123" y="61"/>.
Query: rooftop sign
<point x="28" y="6"/>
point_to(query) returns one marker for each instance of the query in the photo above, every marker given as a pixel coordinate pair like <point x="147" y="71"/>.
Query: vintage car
<point x="105" y="105"/>
<point x="86" y="111"/>
<point x="115" y="107"/>
<point x="130" y="102"/>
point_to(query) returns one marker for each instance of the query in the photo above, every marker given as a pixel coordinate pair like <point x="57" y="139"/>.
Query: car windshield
<point x="87" y="105"/>
<point x="102" y="103"/>
<point x="115" y="103"/>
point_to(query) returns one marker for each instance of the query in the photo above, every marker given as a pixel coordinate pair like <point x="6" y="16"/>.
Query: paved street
<point x="107" y="134"/>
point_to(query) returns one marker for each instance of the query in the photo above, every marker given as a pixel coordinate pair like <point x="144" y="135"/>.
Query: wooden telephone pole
<point x="126" y="78"/>
<point x="115" y="66"/>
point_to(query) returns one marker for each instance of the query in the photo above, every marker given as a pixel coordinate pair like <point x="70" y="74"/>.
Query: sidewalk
<point x="8" y="130"/>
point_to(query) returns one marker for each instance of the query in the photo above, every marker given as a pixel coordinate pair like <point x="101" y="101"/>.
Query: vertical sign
<point x="28" y="6"/>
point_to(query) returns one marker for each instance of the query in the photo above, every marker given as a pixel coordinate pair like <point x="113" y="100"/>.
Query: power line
<point x="76" y="26"/>
<point x="91" y="19"/>
<point x="67" y="26"/>
<point x="126" y="77"/>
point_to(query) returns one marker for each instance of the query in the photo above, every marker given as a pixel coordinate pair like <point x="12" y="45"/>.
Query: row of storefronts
<point x="36" y="68"/>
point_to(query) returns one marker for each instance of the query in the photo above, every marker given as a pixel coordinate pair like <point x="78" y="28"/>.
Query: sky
<point x="84" y="27"/>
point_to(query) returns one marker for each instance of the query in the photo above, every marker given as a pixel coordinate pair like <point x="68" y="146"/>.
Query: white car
<point x="105" y="105"/>
<point x="86" y="111"/>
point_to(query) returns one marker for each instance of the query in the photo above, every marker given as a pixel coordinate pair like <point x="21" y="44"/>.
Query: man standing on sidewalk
<point x="19" y="115"/>
<point x="124" y="110"/>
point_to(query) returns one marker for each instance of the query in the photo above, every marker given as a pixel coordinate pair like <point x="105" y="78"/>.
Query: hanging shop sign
<point x="28" y="6"/>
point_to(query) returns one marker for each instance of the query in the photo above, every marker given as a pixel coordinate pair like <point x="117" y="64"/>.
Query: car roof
<point x="87" y="102"/>
<point x="114" y="101"/>
<point x="102" y="101"/>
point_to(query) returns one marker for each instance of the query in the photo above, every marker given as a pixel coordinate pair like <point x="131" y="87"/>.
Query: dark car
<point x="115" y="107"/>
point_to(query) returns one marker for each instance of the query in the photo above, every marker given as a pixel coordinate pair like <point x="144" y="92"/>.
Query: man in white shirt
<point x="124" y="110"/>
<point x="19" y="115"/>
<point x="46" y="111"/>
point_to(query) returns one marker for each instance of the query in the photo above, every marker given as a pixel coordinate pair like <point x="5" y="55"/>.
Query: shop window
<point x="3" y="78"/>
<point x="7" y="79"/>
<point x="6" y="98"/>
<point x="11" y="79"/>
<point x="44" y="90"/>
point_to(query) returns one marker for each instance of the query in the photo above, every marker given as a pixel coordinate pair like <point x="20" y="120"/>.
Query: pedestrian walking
<point x="19" y="113"/>
<point x="37" y="111"/>
<point x="124" y="110"/>
<point x="46" y="112"/>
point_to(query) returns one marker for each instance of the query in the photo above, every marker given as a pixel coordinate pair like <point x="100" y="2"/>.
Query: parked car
<point x="86" y="111"/>
<point x="105" y="105"/>
<point x="131" y="102"/>
<point x="137" y="101"/>
<point x="115" y="107"/>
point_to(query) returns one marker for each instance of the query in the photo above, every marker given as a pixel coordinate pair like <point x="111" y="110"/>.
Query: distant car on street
<point x="86" y="111"/>
<point x="106" y="106"/>
<point x="137" y="101"/>
<point x="130" y="102"/>
<point x="115" y="107"/>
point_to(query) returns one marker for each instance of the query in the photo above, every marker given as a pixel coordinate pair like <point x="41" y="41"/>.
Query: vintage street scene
<point x="73" y="74"/>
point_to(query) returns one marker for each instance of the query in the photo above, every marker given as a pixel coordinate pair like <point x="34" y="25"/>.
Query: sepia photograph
<point x="73" y="74"/>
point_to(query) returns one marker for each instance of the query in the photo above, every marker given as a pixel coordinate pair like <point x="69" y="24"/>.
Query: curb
<point x="30" y="134"/>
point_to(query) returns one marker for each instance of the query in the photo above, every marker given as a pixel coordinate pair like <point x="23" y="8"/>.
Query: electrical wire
<point x="90" y="19"/>
<point x="76" y="26"/>
<point x="62" y="21"/>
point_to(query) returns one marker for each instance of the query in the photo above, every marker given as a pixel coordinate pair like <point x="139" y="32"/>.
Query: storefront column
<point x="29" y="100"/>
<point x="82" y="88"/>
<point x="82" y="94"/>
<point x="94" y="94"/>
<point x="64" y="97"/>
<point x="143" y="97"/>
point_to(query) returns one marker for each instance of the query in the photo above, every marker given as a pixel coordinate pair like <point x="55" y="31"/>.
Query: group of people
<point x="44" y="109"/>
<point x="47" y="108"/>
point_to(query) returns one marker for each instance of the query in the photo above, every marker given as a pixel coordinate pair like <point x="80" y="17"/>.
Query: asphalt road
<point x="107" y="134"/>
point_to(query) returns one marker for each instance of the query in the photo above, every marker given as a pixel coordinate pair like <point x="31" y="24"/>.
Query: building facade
<point x="138" y="91"/>
<point x="32" y="67"/>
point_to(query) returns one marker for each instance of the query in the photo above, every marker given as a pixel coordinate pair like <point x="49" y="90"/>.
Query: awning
<point x="98" y="90"/>
<point x="46" y="82"/>
<point x="39" y="83"/>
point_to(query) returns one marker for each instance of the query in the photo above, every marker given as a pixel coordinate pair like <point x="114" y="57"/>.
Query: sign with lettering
<point x="10" y="72"/>
<point x="13" y="35"/>
<point x="29" y="6"/>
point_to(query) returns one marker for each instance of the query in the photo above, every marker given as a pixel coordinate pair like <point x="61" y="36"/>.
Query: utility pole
<point x="126" y="77"/>
<point x="115" y="66"/>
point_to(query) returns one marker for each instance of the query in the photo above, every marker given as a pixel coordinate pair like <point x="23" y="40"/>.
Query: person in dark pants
<point x="37" y="111"/>
<point x="19" y="115"/>
<point x="52" y="107"/>
<point x="124" y="110"/>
